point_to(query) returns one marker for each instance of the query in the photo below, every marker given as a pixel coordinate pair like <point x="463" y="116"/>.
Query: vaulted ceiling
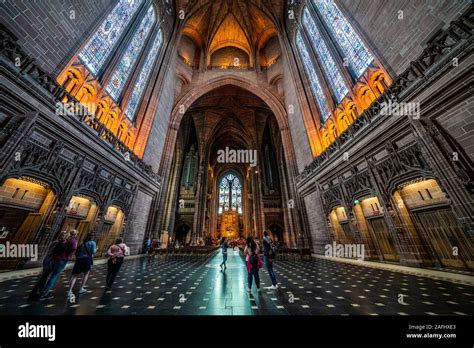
<point x="229" y="116"/>
<point x="245" y="24"/>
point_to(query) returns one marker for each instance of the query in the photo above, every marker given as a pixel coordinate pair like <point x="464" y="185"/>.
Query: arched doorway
<point x="24" y="204"/>
<point x="182" y="235"/>
<point x="81" y="213"/>
<point x="427" y="215"/>
<point x="111" y="228"/>
<point x="276" y="233"/>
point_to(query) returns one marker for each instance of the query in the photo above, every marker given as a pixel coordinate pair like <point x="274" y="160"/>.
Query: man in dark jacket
<point x="268" y="257"/>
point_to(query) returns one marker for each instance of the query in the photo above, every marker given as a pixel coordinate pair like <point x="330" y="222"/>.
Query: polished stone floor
<point x="189" y="285"/>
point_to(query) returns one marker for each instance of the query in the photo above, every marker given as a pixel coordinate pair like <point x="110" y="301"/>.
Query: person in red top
<point x="59" y="262"/>
<point x="253" y="261"/>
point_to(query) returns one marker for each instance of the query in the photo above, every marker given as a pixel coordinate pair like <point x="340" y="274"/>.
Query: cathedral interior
<point x="332" y="125"/>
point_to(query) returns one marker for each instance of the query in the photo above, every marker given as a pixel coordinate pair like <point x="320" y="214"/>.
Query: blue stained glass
<point x="130" y="56"/>
<point x="313" y="79"/>
<point x="351" y="44"/>
<point x="99" y="47"/>
<point x="336" y="81"/>
<point x="143" y="77"/>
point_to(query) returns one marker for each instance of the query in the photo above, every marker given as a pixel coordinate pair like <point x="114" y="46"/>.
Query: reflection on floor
<point x="196" y="286"/>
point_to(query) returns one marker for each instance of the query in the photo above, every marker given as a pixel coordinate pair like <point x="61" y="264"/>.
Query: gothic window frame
<point x="227" y="200"/>
<point x="344" y="46"/>
<point x="316" y="85"/>
<point x="130" y="57"/>
<point x="144" y="74"/>
<point x="102" y="65"/>
<point x="322" y="53"/>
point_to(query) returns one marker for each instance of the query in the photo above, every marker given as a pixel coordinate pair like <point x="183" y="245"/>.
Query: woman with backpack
<point x="116" y="254"/>
<point x="59" y="262"/>
<point x="84" y="260"/>
<point x="254" y="263"/>
<point x="55" y="249"/>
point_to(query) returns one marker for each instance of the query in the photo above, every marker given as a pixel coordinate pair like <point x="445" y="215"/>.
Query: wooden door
<point x="24" y="235"/>
<point x="348" y="234"/>
<point x="104" y="241"/>
<point x="383" y="239"/>
<point x="442" y="233"/>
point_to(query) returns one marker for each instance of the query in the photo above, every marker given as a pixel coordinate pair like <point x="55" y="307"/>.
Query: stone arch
<point x="272" y="100"/>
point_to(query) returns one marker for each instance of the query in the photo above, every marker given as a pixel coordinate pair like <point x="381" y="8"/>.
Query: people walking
<point x="269" y="253"/>
<point x="152" y="247"/>
<point x="84" y="260"/>
<point x="147" y="246"/>
<point x="254" y="263"/>
<point x="224" y="247"/>
<point x="116" y="254"/>
<point x="55" y="249"/>
<point x="59" y="262"/>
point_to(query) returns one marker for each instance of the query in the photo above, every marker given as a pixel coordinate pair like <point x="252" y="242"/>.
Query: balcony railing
<point x="25" y="67"/>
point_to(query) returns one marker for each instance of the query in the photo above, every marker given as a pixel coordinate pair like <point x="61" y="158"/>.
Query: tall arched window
<point x="334" y="76"/>
<point x="230" y="193"/>
<point x="100" y="46"/>
<point x="143" y="77"/>
<point x="130" y="56"/>
<point x="347" y="39"/>
<point x="313" y="79"/>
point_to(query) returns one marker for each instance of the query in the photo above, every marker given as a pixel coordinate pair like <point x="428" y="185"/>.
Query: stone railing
<point x="26" y="68"/>
<point x="458" y="34"/>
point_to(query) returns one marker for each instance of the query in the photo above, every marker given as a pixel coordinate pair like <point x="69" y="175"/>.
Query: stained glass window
<point x="230" y="193"/>
<point x="130" y="56"/>
<point x="313" y="79"/>
<point x="334" y="76"/>
<point x="143" y="77"/>
<point x="350" y="43"/>
<point x="99" y="47"/>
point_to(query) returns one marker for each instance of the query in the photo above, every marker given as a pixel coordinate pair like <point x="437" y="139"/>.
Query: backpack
<point x="83" y="246"/>
<point x="254" y="260"/>
<point x="272" y="250"/>
<point x="56" y="249"/>
<point x="273" y="253"/>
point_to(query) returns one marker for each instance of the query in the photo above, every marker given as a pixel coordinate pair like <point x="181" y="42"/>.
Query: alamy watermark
<point x="237" y="156"/>
<point x="73" y="109"/>
<point x="349" y="251"/>
<point x="401" y="109"/>
<point x="9" y="250"/>
<point x="37" y="331"/>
